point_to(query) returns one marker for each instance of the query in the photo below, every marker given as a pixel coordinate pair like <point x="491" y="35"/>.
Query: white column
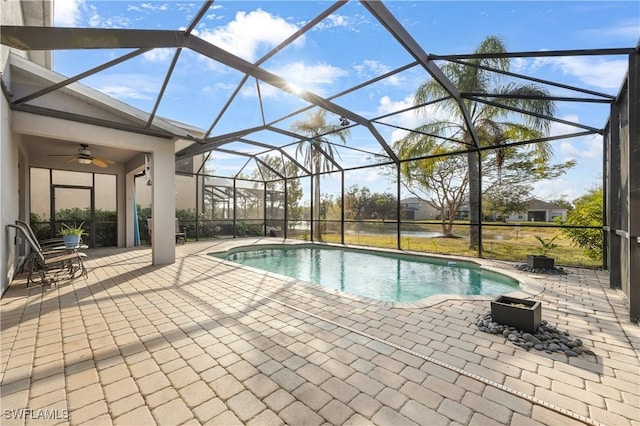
<point x="128" y="215"/>
<point x="163" y="205"/>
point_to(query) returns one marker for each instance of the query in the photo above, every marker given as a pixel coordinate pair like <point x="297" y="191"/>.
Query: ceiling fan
<point x="84" y="157"/>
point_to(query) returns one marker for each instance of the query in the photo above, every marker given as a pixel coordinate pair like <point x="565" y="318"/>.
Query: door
<point x="73" y="205"/>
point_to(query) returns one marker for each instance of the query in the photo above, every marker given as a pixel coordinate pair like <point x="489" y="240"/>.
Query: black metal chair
<point x="181" y="235"/>
<point x="52" y="261"/>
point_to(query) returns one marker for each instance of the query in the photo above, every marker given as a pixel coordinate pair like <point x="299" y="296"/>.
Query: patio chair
<point x="58" y="261"/>
<point x="49" y="246"/>
<point x="42" y="244"/>
<point x="181" y="235"/>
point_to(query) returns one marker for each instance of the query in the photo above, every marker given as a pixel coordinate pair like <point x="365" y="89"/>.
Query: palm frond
<point x="318" y="129"/>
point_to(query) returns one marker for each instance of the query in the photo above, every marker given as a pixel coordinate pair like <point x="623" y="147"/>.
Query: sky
<point x="348" y="48"/>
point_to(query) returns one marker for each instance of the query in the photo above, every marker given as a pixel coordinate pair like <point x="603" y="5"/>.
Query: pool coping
<point x="529" y="288"/>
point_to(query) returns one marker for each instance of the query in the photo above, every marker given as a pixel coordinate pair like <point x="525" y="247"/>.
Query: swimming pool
<point x="377" y="275"/>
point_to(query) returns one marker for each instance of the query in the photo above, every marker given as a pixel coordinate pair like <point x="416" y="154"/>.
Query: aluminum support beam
<point x="215" y="142"/>
<point x="213" y="52"/>
<point x="633" y="240"/>
<point x="250" y="156"/>
<point x="535" y="80"/>
<point x="537" y="54"/>
<point x="92" y="120"/>
<point x="533" y="114"/>
<point x="384" y="16"/>
<point x="58" y="38"/>
<point x="78" y="77"/>
<point x="165" y="83"/>
<point x="614" y="193"/>
<point x="300" y="137"/>
<point x="278" y="149"/>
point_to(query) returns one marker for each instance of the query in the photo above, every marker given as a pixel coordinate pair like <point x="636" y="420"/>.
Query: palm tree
<point x="318" y="129"/>
<point x="494" y="126"/>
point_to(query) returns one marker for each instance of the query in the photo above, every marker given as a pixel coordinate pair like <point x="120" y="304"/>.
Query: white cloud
<point x="596" y="72"/>
<point x="584" y="148"/>
<point x="370" y="69"/>
<point x="562" y="128"/>
<point x="266" y="91"/>
<point x="127" y="86"/>
<point x="95" y="20"/>
<point x="224" y="86"/>
<point x="408" y="119"/>
<point x="332" y="21"/>
<point x="352" y="23"/>
<point x="623" y="30"/>
<point x="67" y="13"/>
<point x="249" y="32"/>
<point x="154" y="7"/>
<point x="310" y="76"/>
<point x="559" y="188"/>
<point x="73" y="13"/>
<point x="158" y="55"/>
<point x="300" y="75"/>
<point x="124" y="92"/>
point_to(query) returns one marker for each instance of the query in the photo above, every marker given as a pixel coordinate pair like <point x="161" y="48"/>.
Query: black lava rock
<point x="547" y="338"/>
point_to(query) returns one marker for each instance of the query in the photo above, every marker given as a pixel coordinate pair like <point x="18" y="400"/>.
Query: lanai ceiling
<point x="265" y="128"/>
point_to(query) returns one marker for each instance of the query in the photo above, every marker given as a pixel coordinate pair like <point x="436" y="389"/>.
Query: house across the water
<point x="539" y="211"/>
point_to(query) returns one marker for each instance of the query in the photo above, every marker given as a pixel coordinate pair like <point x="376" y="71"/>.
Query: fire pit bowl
<point x="522" y="314"/>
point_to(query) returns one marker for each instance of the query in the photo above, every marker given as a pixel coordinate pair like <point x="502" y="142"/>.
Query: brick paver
<point x="206" y="342"/>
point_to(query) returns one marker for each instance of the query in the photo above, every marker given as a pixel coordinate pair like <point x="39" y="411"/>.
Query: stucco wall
<point x="8" y="196"/>
<point x="11" y="15"/>
<point x="161" y="149"/>
<point x="34" y="13"/>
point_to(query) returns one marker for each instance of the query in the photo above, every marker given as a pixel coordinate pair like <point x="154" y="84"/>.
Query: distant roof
<point x="411" y="200"/>
<point x="536" y="204"/>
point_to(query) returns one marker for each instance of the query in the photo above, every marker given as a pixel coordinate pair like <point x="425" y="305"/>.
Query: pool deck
<point x="204" y="341"/>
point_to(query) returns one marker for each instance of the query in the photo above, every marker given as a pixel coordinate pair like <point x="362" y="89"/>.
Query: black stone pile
<point x="547" y="338"/>
<point x="553" y="271"/>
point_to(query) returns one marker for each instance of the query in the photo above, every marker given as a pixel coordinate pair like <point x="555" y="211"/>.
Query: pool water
<point x="387" y="277"/>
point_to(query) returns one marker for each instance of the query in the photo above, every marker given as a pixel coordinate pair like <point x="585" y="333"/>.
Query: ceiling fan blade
<point x="104" y="160"/>
<point x="61" y="155"/>
<point x="69" y="161"/>
<point x="99" y="163"/>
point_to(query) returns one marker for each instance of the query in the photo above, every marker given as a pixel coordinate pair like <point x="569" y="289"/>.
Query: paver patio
<point x="205" y="341"/>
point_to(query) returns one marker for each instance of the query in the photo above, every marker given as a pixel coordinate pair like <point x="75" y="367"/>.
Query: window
<point x="184" y="166"/>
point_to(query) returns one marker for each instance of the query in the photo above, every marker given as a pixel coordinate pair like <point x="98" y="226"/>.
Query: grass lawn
<point x="513" y="242"/>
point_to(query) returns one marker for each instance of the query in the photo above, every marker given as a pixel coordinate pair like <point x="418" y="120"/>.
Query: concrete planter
<point x="540" y="262"/>
<point x="522" y="314"/>
<point x="71" y="241"/>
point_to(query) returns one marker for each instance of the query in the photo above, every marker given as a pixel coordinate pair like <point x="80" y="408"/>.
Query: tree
<point x="588" y="211"/>
<point x="442" y="182"/>
<point x="317" y="151"/>
<point x="383" y="205"/>
<point x="362" y="204"/>
<point x="562" y="202"/>
<point x="276" y="187"/>
<point x="355" y="202"/>
<point x="494" y="126"/>
<point x="502" y="200"/>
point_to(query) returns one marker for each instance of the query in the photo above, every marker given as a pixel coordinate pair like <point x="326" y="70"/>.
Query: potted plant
<point x="72" y="235"/>
<point x="543" y="261"/>
<point x="522" y="314"/>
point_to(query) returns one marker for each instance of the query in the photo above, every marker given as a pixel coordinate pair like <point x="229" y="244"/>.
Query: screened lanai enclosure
<point x="301" y="137"/>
